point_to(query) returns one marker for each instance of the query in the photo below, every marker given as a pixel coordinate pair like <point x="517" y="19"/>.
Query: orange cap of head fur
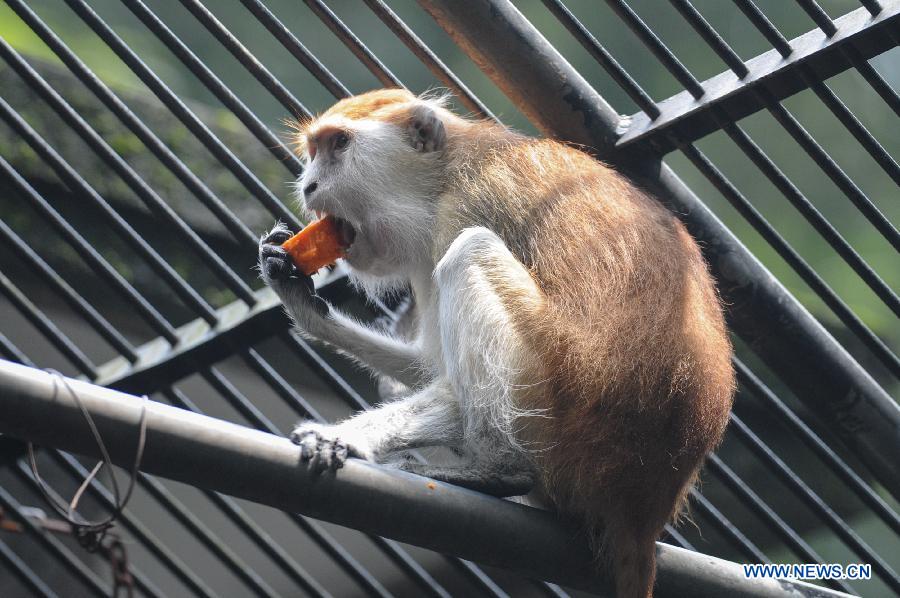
<point x="380" y="104"/>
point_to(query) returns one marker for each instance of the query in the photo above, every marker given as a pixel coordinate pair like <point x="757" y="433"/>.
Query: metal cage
<point x="130" y="218"/>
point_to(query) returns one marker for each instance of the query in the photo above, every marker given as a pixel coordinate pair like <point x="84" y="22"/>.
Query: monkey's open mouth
<point x="346" y="232"/>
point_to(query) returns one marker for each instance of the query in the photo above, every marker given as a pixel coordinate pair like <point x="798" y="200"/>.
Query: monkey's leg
<point x="482" y="289"/>
<point x="429" y="417"/>
<point x="314" y="317"/>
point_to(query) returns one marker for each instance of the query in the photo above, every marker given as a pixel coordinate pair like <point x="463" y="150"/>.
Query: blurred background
<point x="32" y="227"/>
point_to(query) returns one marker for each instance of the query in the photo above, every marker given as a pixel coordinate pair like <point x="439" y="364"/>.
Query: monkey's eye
<point x="341" y="140"/>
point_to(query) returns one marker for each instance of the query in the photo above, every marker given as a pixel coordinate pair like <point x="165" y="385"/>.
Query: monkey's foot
<point x="320" y="449"/>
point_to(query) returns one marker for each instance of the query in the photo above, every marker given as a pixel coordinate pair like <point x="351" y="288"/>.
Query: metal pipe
<point x="225" y="457"/>
<point x="545" y="87"/>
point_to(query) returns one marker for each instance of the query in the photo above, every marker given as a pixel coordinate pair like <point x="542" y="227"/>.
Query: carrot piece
<point x="317" y="245"/>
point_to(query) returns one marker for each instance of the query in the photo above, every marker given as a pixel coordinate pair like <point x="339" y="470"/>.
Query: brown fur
<point x="630" y="328"/>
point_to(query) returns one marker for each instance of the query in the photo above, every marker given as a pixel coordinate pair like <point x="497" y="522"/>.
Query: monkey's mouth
<point x="346" y="232"/>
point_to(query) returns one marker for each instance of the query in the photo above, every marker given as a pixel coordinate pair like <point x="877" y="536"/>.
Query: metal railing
<point x="845" y="416"/>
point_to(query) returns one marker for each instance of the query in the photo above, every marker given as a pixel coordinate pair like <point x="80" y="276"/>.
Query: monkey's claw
<point x="277" y="236"/>
<point x="320" y="452"/>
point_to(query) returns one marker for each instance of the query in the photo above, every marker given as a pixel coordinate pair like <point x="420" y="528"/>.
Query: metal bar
<point x="179" y="109"/>
<point x="677" y="538"/>
<point x="237" y="228"/>
<point x="198" y="344"/>
<point x="250" y="412"/>
<point x="603" y="57"/>
<point x="171" y="561"/>
<point x="48" y="275"/>
<point x="277" y="383"/>
<point x="859" y="34"/>
<point x="652" y="42"/>
<point x="73" y="565"/>
<point x="771" y="321"/>
<point x="841" y="112"/>
<point x="824" y="22"/>
<point x="873" y="78"/>
<point x="311" y="358"/>
<point x="131" y="178"/>
<point x="720" y="521"/>
<point x="873" y="6"/>
<point x="239" y="517"/>
<point x="121" y="226"/>
<point x="849" y="477"/>
<point x="815" y="151"/>
<point x="296" y="49"/>
<point x="354" y="44"/>
<point x="257" y="128"/>
<point x="256" y="68"/>
<point x="12" y="353"/>
<point x="812" y="214"/>
<point x="832" y="170"/>
<point x="815" y="503"/>
<point x="764" y="26"/>
<point x="262" y="468"/>
<point x="797" y="131"/>
<point x="59" y="339"/>
<point x="193" y="525"/>
<point x="90" y="255"/>
<point x="24" y="573"/>
<point x="141" y="581"/>
<point x="711" y="37"/>
<point x="229" y="507"/>
<point x="434" y="64"/>
<point x="788" y="535"/>
<point x="794" y="260"/>
<point x="728" y="529"/>
<point x="818" y="16"/>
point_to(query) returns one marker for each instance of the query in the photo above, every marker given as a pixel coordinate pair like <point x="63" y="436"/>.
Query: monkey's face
<point x="367" y="174"/>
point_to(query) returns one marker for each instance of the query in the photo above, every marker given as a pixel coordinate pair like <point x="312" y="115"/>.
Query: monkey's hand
<point x="328" y="447"/>
<point x="296" y="289"/>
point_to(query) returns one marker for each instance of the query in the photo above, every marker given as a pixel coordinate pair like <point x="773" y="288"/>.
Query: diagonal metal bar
<point x="188" y="447"/>
<point x="156" y="204"/>
<point x="296" y="48"/>
<point x="815" y="52"/>
<point x="353" y="43"/>
<point x="199" y="344"/>
<point x="26" y="574"/>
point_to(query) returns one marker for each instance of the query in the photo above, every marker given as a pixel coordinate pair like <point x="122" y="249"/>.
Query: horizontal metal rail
<point x="264" y="468"/>
<point x="815" y="52"/>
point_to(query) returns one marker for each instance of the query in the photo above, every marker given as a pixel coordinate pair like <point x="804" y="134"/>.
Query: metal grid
<point x="245" y="335"/>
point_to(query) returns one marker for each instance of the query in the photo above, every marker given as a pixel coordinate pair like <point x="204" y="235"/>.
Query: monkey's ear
<point x="426" y="130"/>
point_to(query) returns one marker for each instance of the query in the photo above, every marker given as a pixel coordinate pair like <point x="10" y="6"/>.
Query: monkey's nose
<point x="310" y="188"/>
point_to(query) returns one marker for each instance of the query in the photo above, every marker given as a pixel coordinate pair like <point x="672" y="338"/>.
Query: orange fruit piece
<point x="319" y="244"/>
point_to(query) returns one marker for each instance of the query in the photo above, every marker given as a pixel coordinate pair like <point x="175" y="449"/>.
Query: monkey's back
<point x="632" y="335"/>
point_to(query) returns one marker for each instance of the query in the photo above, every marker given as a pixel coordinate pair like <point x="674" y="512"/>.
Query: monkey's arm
<point x="316" y="318"/>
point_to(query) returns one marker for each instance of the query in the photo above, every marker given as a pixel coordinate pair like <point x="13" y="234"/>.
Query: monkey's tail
<point x="630" y="552"/>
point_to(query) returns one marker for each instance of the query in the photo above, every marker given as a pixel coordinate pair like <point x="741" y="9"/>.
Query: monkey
<point x="566" y="334"/>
